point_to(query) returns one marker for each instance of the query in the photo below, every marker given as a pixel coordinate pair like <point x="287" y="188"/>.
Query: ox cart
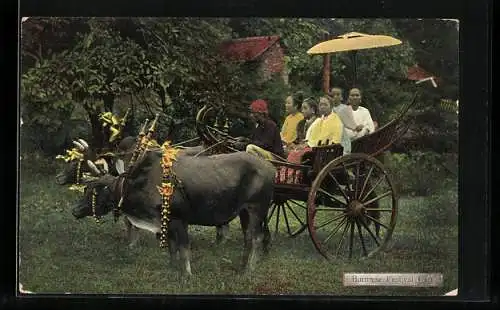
<point x="348" y="203"/>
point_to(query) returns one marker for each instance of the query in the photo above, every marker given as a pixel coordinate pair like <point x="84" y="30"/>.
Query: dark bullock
<point x="213" y="191"/>
<point x="115" y="165"/>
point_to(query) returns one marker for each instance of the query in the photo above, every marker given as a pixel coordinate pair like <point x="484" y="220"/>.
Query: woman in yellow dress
<point x="293" y="105"/>
<point x="328" y="127"/>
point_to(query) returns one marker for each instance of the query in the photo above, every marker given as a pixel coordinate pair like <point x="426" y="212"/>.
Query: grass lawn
<point x="60" y="254"/>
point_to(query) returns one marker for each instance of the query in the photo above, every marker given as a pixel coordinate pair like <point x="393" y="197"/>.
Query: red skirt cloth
<point x="289" y="175"/>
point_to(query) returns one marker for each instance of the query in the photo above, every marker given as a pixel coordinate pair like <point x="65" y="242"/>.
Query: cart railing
<point x="382" y="139"/>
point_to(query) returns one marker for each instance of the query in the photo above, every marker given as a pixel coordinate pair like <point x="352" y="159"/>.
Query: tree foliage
<point x="173" y="66"/>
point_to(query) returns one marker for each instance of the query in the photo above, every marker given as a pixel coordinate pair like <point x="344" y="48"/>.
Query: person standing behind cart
<point x="361" y="115"/>
<point x="265" y="140"/>
<point x="294" y="116"/>
<point x="345" y="113"/>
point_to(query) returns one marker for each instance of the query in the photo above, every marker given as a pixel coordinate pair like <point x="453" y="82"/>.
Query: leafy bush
<point x="33" y="163"/>
<point x="419" y="173"/>
<point x="442" y="208"/>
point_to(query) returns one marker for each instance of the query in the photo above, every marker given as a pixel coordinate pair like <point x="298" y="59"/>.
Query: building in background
<point x="265" y="52"/>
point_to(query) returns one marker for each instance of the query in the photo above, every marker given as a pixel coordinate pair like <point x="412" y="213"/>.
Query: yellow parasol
<point x="352" y="42"/>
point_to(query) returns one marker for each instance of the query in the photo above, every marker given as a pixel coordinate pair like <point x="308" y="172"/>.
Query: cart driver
<point x="265" y="140"/>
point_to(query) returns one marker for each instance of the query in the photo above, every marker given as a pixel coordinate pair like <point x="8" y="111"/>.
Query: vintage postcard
<point x="239" y="156"/>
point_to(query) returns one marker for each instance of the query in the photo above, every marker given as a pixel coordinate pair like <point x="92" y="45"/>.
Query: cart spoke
<point x="277" y="218"/>
<point x="297" y="204"/>
<point x="369" y="202"/>
<point x="348" y="179"/>
<point x="370" y="232"/>
<point x="377" y="221"/>
<point x="339" y="186"/>
<point x="365" y="253"/>
<point x="332" y="197"/>
<point x="339" y="245"/>
<point x="351" y="240"/>
<point x="379" y="209"/>
<point x="335" y="230"/>
<point x="356" y="181"/>
<point x="272" y="212"/>
<point x="366" y="181"/>
<point x="330" y="209"/>
<point x="330" y="221"/>
<point x="286" y="221"/>
<point x="371" y="190"/>
<point x="295" y="214"/>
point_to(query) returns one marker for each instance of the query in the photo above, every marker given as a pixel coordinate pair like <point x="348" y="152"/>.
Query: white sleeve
<point x="368" y="121"/>
<point x="345" y="114"/>
<point x="351" y="134"/>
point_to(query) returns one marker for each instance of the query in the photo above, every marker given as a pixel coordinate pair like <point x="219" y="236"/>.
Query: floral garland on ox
<point x="75" y="154"/>
<point x="167" y="188"/>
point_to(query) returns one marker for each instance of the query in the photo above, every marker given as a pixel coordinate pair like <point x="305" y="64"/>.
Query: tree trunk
<point x="97" y="132"/>
<point x="109" y="101"/>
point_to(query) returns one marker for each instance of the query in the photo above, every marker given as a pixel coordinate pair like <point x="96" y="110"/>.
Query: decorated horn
<point x="120" y="166"/>
<point x="143" y="128"/>
<point x="93" y="167"/>
<point x="153" y="124"/>
<point x="84" y="143"/>
<point x="104" y="163"/>
<point x="79" y="145"/>
<point x="124" y="119"/>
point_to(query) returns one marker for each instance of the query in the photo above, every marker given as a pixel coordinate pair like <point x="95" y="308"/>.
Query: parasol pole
<point x="326" y="73"/>
<point x="326" y="69"/>
<point x="353" y="55"/>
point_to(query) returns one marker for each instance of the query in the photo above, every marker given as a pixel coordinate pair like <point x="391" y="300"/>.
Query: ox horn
<point x="104" y="163"/>
<point x="93" y="167"/>
<point x="84" y="143"/>
<point x="120" y="166"/>
<point x="79" y="146"/>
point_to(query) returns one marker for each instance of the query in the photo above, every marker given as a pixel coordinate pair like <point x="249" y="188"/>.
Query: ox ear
<point x="120" y="166"/>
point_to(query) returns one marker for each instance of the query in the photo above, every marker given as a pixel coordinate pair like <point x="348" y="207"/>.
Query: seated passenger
<point x="294" y="116"/>
<point x="265" y="140"/>
<point x="299" y="147"/>
<point x="326" y="128"/>
<point x="345" y="113"/>
<point x="361" y="116"/>
<point x="310" y="112"/>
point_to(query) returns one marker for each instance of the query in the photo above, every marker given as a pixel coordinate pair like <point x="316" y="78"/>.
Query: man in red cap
<point x="265" y="140"/>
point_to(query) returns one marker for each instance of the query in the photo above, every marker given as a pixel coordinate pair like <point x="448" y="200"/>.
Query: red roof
<point x="416" y="73"/>
<point x="247" y="49"/>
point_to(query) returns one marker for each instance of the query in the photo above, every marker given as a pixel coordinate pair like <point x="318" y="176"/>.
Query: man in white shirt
<point x="345" y="113"/>
<point x="361" y="116"/>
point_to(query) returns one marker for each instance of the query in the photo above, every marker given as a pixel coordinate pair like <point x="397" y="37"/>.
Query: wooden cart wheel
<point x="352" y="207"/>
<point x="287" y="215"/>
